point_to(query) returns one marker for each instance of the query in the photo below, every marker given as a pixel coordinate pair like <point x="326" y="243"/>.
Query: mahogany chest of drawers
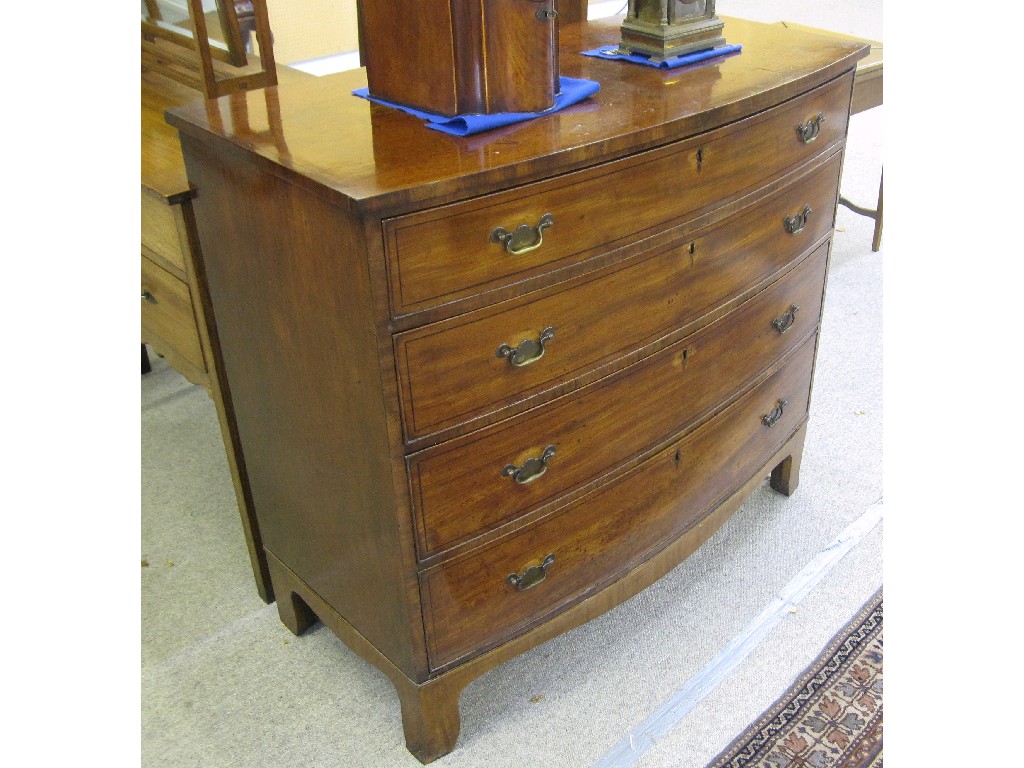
<point x="489" y="387"/>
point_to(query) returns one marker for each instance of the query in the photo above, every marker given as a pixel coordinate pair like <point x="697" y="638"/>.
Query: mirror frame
<point x="189" y="56"/>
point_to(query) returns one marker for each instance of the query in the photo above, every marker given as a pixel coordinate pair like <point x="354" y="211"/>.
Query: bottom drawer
<point x="168" y="319"/>
<point x="472" y="604"/>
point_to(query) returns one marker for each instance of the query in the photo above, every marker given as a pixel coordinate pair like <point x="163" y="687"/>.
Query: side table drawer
<point x="467" y="486"/>
<point x="167" y="313"/>
<point x="602" y="317"/>
<point x="447" y="253"/>
<point x="160" y="230"/>
<point x="472" y="604"/>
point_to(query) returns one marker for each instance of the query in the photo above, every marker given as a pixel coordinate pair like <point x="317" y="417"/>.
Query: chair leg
<point x="876" y="240"/>
<point x="876" y="214"/>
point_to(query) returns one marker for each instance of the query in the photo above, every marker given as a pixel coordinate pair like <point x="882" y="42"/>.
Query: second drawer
<point x="469" y="485"/>
<point x="167" y="314"/>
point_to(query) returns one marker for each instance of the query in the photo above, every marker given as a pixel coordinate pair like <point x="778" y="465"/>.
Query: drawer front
<point x="447" y="253"/>
<point x="471" y="605"/>
<point x="601" y="318"/>
<point x="160" y="230"/>
<point x="167" y="313"/>
<point x="467" y="486"/>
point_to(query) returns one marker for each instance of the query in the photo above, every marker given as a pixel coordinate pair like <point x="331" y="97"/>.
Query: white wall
<point x="311" y="29"/>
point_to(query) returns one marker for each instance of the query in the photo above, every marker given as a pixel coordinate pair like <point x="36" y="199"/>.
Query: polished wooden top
<point x="369" y="157"/>
<point x="163" y="168"/>
<point x="867" y="84"/>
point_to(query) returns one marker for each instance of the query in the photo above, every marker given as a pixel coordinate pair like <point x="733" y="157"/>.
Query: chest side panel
<point x="288" y="282"/>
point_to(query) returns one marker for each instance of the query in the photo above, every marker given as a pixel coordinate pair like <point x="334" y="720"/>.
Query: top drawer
<point x="160" y="229"/>
<point x="455" y="251"/>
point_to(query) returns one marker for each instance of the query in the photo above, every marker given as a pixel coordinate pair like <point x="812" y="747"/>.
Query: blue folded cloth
<point x="610" y="52"/>
<point x="573" y="90"/>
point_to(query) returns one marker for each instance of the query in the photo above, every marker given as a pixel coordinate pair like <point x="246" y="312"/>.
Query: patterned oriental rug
<point x="832" y="716"/>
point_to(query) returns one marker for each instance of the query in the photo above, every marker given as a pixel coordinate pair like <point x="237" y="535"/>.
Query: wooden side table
<point x="176" y="321"/>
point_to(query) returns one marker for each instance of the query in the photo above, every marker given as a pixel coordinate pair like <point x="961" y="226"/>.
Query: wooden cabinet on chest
<point x="489" y="387"/>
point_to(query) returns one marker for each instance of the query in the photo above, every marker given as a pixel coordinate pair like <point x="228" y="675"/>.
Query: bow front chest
<point x="487" y="388"/>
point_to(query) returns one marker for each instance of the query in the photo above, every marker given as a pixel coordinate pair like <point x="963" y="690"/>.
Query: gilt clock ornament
<point x="665" y="29"/>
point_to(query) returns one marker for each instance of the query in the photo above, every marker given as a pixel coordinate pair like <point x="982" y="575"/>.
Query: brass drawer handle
<point x="772" y="418"/>
<point x="528" y="351"/>
<point x="785" y="321"/>
<point x="525" y="238"/>
<point x="808" y="131"/>
<point x="147" y="296"/>
<point x="795" y="223"/>
<point x="532" y="468"/>
<point x="532" y="576"/>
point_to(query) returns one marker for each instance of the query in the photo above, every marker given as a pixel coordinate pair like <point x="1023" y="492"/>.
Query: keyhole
<point x="700" y="158"/>
<point x="679" y="456"/>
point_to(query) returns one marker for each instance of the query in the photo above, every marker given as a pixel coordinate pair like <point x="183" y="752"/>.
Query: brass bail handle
<point x="785" y="321"/>
<point x="797" y="222"/>
<point x="525" y="238"/>
<point x="528" y="351"/>
<point x="808" y="132"/>
<point x="532" y="576"/>
<point x="532" y="468"/>
<point x="771" y="418"/>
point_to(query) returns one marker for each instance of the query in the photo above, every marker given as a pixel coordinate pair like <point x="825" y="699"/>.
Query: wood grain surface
<point x="369" y="157"/>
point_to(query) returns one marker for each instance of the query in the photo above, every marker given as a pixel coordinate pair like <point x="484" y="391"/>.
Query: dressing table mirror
<point x="208" y="45"/>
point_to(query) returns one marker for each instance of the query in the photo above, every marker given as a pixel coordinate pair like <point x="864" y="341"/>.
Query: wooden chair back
<point x="213" y="60"/>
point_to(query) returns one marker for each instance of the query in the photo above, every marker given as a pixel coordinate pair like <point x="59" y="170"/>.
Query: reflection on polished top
<point x="162" y="167"/>
<point x="374" y="158"/>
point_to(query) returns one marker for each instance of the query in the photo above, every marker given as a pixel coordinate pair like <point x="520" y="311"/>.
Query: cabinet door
<point x="408" y="50"/>
<point x="521" y="42"/>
